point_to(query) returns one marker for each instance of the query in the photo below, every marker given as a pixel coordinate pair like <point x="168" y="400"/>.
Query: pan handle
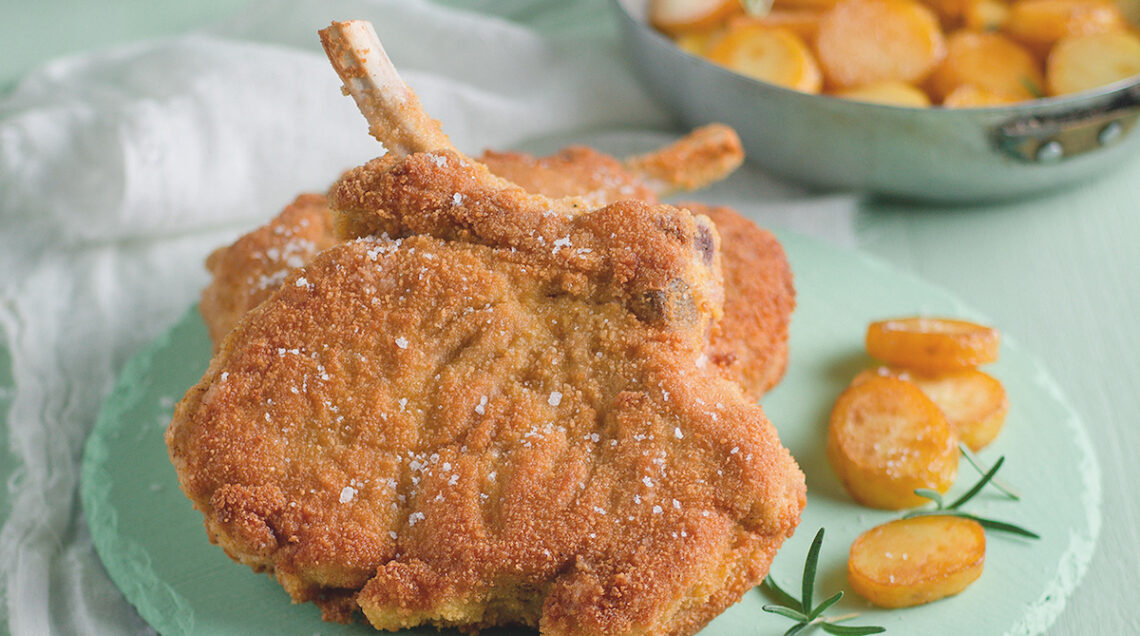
<point x="1047" y="139"/>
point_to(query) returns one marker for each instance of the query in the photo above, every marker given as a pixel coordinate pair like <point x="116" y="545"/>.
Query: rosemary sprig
<point x="953" y="509"/>
<point x="802" y="611"/>
<point x="973" y="460"/>
<point x="1031" y="86"/>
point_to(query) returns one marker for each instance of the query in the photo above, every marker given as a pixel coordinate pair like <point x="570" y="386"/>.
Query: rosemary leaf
<point x="809" y="571"/>
<point x="786" y="612"/>
<point x="997" y="483"/>
<point x="795" y="629"/>
<point x="824" y="606"/>
<point x="932" y="495"/>
<point x="781" y="596"/>
<point x="977" y="488"/>
<point x="851" y="630"/>
<point x="1031" y="86"/>
<point x="994" y="524"/>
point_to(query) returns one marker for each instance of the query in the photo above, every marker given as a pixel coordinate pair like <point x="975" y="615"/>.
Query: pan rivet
<point x="1050" y="152"/>
<point x="1110" y="133"/>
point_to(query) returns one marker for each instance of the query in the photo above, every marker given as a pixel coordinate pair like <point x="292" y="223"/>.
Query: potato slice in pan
<point x="949" y="11"/>
<point x="914" y="561"/>
<point x="932" y="345"/>
<point x="985" y="15"/>
<point x="990" y="61"/>
<point x="680" y="16"/>
<point x="771" y="54"/>
<point x="1040" y="23"/>
<point x="886" y="439"/>
<point x="1087" y="61"/>
<point x="866" y="41"/>
<point x="893" y="93"/>
<point x="803" y="21"/>
<point x="970" y="96"/>
<point x="697" y="42"/>
<point x="974" y="402"/>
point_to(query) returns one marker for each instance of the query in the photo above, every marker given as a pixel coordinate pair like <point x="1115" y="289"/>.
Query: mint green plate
<point x="155" y="549"/>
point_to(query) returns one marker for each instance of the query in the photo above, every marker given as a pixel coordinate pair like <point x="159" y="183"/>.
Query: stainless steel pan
<point x="960" y="155"/>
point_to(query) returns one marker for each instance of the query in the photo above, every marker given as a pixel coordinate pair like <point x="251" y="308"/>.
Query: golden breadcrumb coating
<point x="499" y="414"/>
<point x="250" y="270"/>
<point x="750" y="342"/>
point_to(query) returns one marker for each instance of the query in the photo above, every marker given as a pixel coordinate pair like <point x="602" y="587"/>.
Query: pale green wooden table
<point x="1061" y="273"/>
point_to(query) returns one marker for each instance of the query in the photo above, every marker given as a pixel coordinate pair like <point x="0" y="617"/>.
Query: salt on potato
<point x="886" y="439"/>
<point x="909" y="562"/>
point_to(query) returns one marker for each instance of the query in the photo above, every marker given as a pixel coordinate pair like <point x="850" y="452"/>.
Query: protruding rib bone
<point x="704" y="156"/>
<point x="395" y="117"/>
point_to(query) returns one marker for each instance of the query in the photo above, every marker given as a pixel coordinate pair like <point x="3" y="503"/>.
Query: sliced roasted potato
<point x="803" y="4"/>
<point x="680" y="16"/>
<point x="914" y="561"/>
<point x="893" y="93"/>
<point x="1087" y="61"/>
<point x="885" y="439"/>
<point x="990" y="61"/>
<point x="1040" y="23"/>
<point x="803" y="21"/>
<point x="970" y="96"/>
<point x="771" y="54"/>
<point x="866" y="41"/>
<point x="985" y="15"/>
<point x="948" y="11"/>
<point x="974" y="402"/>
<point x="932" y="345"/>
<point x="697" y="42"/>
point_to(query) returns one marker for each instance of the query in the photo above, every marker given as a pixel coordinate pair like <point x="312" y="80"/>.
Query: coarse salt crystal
<point x="457" y="199"/>
<point x="647" y="481"/>
<point x="657" y="510"/>
<point x="302" y="282"/>
<point x="347" y="493"/>
<point x="677" y="433"/>
<point x="555" y="398"/>
<point x="402" y="342"/>
<point x="415" y="518"/>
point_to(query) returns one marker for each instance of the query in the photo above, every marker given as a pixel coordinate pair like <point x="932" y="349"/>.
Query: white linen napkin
<point x="120" y="170"/>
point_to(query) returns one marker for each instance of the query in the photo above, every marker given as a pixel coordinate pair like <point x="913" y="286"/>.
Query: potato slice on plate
<point x="990" y="61"/>
<point x="892" y="93"/>
<point x="970" y="96"/>
<point x="680" y="16"/>
<point x="974" y="403"/>
<point x="914" y="561"/>
<point x="932" y="345"/>
<point x="886" y="439"/>
<point x="1040" y="23"/>
<point x="866" y="41"/>
<point x="1087" y="61"/>
<point x="771" y="54"/>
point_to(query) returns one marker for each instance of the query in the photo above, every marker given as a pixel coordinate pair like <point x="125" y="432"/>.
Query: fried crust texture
<point x="749" y="343"/>
<point x="498" y="413"/>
